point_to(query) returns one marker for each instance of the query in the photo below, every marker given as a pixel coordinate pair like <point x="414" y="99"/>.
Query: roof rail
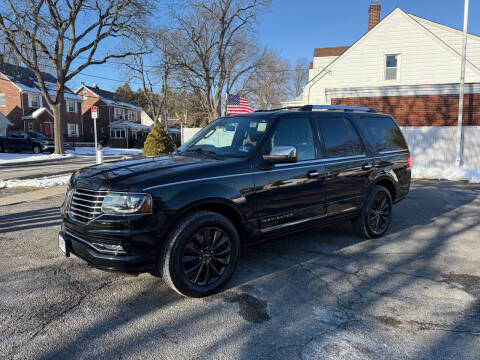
<point x="336" y="107"/>
<point x="282" y="108"/>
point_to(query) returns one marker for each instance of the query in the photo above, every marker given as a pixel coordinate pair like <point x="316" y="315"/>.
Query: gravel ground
<point x="321" y="294"/>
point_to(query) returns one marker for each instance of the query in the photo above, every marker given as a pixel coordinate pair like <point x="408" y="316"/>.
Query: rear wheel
<point x="376" y="215"/>
<point x="200" y="254"/>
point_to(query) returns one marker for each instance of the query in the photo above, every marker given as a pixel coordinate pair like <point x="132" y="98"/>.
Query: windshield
<point x="36" y="135"/>
<point x="228" y="137"/>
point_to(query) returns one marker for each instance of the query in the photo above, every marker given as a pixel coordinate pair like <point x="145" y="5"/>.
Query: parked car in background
<point x="240" y="180"/>
<point x="26" y="141"/>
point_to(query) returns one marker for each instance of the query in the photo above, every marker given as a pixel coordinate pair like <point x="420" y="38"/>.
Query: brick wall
<point x="429" y="110"/>
<point x="13" y="108"/>
<point x="103" y="115"/>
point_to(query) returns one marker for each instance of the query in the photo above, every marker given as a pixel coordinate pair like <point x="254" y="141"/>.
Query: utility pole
<point x="460" y="135"/>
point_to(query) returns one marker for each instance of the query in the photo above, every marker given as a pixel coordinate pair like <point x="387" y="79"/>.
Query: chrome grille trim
<point x="86" y="205"/>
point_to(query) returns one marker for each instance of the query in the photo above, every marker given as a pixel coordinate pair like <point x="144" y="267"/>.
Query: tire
<point x="200" y="254"/>
<point x="37" y="149"/>
<point x="377" y="209"/>
<point x="1" y="148"/>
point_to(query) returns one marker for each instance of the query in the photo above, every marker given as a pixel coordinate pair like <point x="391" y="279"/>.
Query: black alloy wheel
<point x="200" y="253"/>
<point x="206" y="256"/>
<point x="378" y="213"/>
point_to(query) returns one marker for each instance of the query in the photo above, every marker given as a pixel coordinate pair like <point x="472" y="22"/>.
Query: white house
<point x="409" y="67"/>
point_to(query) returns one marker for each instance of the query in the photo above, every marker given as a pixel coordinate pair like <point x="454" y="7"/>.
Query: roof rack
<point x="336" y="107"/>
<point x="282" y="108"/>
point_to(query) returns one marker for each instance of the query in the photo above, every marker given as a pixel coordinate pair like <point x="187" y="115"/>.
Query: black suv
<point x="240" y="180"/>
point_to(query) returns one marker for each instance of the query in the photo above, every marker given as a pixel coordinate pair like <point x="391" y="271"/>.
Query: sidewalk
<point x="33" y="195"/>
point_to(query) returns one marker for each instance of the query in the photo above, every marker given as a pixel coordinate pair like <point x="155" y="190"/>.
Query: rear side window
<point x="384" y="134"/>
<point x="340" y="137"/>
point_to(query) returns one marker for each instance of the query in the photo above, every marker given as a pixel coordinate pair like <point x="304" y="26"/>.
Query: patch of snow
<point x="6" y="158"/>
<point x="44" y="182"/>
<point x="448" y="173"/>
<point x="106" y="151"/>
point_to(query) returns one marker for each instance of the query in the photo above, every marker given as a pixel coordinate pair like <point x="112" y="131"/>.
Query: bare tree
<point x="208" y="44"/>
<point x="68" y="33"/>
<point x="269" y="85"/>
<point x="299" y="76"/>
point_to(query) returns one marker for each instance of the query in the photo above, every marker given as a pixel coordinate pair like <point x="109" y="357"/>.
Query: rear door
<point x="388" y="145"/>
<point x="347" y="165"/>
<point x="291" y="194"/>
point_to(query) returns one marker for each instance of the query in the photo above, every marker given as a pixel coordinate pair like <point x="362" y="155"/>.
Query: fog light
<point x="116" y="248"/>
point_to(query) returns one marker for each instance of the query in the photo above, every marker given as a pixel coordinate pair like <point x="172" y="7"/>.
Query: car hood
<point x="136" y="175"/>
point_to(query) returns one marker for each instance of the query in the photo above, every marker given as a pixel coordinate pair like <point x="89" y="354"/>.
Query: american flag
<point x="237" y="105"/>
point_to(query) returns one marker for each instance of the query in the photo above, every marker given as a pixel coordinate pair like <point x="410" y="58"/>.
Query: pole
<point x="460" y="137"/>
<point x="95" y="132"/>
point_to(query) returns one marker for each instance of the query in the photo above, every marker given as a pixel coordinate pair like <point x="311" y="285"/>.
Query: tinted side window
<point x="295" y="132"/>
<point x="384" y="133"/>
<point x="340" y="137"/>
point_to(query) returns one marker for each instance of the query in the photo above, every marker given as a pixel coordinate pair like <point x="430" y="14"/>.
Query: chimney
<point x="373" y="14"/>
<point x="95" y="85"/>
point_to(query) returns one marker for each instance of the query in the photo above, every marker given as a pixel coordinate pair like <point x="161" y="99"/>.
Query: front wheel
<point x="200" y="254"/>
<point x="376" y="215"/>
<point x="37" y="149"/>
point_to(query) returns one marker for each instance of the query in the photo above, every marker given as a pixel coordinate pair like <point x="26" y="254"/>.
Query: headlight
<point x="124" y="204"/>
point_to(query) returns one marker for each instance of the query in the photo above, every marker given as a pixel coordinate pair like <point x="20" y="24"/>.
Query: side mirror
<point x="281" y="154"/>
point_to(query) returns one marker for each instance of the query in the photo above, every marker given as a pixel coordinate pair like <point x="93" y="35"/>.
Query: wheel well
<point x="389" y="185"/>
<point x="224" y="210"/>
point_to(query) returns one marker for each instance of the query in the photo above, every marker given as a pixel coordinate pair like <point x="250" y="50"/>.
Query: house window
<point x="30" y="126"/>
<point x="71" y="106"/>
<point x="391" y="67"/>
<point x="119" y="113"/>
<point x="34" y="101"/>
<point x="72" y="129"/>
<point x="2" y="100"/>
<point x="117" y="133"/>
<point x="84" y="94"/>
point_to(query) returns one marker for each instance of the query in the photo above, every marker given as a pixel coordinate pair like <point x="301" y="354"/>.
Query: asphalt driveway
<point x="321" y="294"/>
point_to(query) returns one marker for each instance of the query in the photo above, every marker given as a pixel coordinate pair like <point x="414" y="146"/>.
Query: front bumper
<point x="82" y="248"/>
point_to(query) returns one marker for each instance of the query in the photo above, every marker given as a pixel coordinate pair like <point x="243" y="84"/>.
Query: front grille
<point x="86" y="204"/>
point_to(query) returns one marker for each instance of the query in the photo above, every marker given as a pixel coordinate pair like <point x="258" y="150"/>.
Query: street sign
<point x="94" y="112"/>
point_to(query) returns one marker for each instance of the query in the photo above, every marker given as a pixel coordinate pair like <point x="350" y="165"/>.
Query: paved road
<point x="27" y="171"/>
<point x="321" y="294"/>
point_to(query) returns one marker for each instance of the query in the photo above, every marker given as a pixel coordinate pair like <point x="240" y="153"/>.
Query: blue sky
<point x="295" y="28"/>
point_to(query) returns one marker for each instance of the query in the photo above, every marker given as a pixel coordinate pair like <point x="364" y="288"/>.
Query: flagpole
<point x="460" y="135"/>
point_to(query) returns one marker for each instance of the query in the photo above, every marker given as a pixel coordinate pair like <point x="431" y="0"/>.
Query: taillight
<point x="409" y="162"/>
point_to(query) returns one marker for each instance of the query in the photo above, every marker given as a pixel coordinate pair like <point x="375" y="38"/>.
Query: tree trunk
<point x="58" y="110"/>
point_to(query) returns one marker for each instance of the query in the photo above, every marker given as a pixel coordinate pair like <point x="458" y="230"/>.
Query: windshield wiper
<point x="210" y="153"/>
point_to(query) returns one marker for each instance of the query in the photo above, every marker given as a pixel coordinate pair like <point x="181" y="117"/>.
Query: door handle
<point x="312" y="174"/>
<point x="367" y="166"/>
